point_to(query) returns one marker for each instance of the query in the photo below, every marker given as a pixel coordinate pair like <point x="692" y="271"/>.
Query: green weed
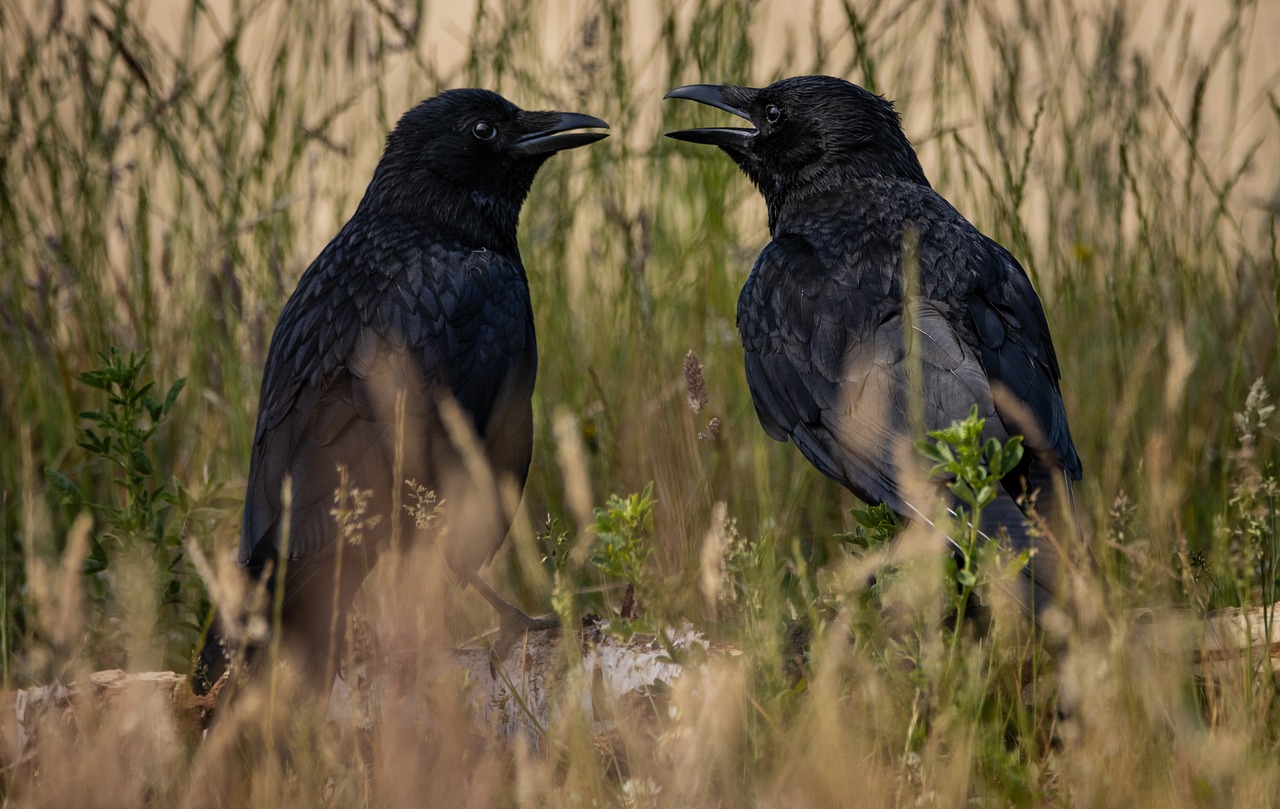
<point x="168" y="171"/>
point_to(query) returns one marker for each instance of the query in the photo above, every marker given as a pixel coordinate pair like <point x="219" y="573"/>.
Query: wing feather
<point x="425" y="323"/>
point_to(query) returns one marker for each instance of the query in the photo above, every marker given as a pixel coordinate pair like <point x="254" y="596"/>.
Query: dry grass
<point x="169" y="170"/>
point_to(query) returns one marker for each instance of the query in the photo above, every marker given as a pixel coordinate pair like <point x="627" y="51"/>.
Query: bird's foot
<point x="513" y="627"/>
<point x="513" y="624"/>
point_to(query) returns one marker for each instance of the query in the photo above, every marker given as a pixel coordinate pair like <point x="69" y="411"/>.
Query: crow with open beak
<point x="831" y="330"/>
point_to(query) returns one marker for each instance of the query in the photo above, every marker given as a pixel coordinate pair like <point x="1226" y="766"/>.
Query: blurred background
<point x="169" y="169"/>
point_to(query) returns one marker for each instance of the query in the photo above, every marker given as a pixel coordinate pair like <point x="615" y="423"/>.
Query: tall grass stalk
<point x="168" y="170"/>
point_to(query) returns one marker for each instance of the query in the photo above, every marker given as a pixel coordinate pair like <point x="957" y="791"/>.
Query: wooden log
<point x="519" y="697"/>
<point x="1238" y="640"/>
<point x="515" y="698"/>
<point x="22" y="712"/>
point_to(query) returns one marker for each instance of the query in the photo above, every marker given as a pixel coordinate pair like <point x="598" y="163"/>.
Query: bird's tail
<point x="1043" y="523"/>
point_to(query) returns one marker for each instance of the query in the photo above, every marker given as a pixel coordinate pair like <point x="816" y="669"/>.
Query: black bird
<point x="824" y="318"/>
<point x="419" y="299"/>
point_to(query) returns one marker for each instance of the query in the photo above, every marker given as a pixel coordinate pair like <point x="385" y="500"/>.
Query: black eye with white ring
<point x="772" y="114"/>
<point x="483" y="130"/>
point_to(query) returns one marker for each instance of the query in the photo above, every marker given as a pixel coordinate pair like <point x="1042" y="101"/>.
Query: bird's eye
<point x="483" y="130"/>
<point x="773" y="114"/>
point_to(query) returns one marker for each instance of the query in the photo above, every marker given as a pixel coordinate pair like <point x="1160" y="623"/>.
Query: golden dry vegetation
<point x="169" y="169"/>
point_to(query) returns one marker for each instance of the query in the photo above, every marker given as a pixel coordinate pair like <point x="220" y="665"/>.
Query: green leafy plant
<point x="974" y="469"/>
<point x="119" y="438"/>
<point x="875" y="526"/>
<point x="625" y="528"/>
<point x="214" y="149"/>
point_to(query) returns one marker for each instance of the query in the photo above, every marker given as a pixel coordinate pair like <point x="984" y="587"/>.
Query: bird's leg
<point x="513" y="623"/>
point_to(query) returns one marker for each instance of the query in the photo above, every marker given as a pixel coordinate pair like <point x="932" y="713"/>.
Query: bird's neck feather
<point x="788" y="197"/>
<point x="489" y="220"/>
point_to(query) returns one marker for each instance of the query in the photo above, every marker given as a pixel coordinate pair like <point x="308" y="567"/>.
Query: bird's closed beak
<point x="714" y="95"/>
<point x="559" y="136"/>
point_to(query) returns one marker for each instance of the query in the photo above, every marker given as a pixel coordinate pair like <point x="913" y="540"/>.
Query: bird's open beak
<point x="712" y="95"/>
<point x="559" y="135"/>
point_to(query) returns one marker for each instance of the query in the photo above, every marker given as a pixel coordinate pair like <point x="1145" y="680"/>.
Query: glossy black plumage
<point x="823" y="316"/>
<point x="420" y="298"/>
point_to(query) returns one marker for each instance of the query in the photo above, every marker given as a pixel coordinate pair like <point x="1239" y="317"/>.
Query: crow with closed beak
<point x="826" y="322"/>
<point x="417" y="309"/>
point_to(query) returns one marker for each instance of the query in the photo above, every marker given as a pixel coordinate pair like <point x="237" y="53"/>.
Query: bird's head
<point x="473" y="146"/>
<point x="807" y="134"/>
